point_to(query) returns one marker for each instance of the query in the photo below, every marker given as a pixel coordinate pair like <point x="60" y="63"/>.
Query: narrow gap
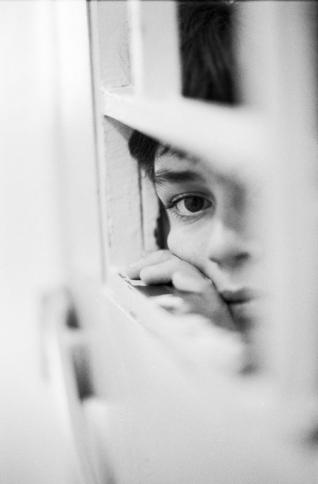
<point x="141" y="208"/>
<point x="96" y="142"/>
<point x="72" y="319"/>
<point x="82" y="374"/>
<point x="162" y="228"/>
<point x="314" y="20"/>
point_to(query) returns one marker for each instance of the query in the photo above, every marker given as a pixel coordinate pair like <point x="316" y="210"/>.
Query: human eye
<point x="190" y="205"/>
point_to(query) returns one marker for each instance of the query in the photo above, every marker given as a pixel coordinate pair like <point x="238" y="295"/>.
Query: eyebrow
<point x="170" y="176"/>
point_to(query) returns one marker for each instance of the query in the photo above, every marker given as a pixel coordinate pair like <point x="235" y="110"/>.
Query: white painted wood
<point x="175" y="408"/>
<point x="63" y="345"/>
<point x="189" y="336"/>
<point x="123" y="197"/>
<point x="110" y="37"/>
<point x="110" y="67"/>
<point x="229" y="137"/>
<point x="75" y="138"/>
<point x="33" y="448"/>
<point x="119" y="175"/>
<point x="284" y="90"/>
<point x="154" y="48"/>
<point x="95" y="69"/>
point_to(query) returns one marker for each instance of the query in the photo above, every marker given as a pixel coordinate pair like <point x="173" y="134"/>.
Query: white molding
<point x="155" y="62"/>
<point x="231" y="138"/>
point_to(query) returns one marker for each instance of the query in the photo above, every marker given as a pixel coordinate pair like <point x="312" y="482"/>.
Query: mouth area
<point x="241" y="307"/>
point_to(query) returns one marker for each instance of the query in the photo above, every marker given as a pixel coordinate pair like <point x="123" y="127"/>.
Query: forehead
<point x="178" y="163"/>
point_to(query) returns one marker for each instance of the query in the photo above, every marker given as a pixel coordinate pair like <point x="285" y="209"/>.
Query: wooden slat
<point x="229" y="138"/>
<point x="75" y="140"/>
<point x="118" y="175"/>
<point x="171" y="390"/>
<point x="109" y="37"/>
<point x="189" y="333"/>
<point x="154" y="48"/>
<point x="124" y="238"/>
<point x="283" y="87"/>
<point x="297" y="271"/>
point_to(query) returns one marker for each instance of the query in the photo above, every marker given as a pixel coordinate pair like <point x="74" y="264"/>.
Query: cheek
<point x="187" y="243"/>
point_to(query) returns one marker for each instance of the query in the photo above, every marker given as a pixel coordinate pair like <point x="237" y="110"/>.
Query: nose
<point x="228" y="248"/>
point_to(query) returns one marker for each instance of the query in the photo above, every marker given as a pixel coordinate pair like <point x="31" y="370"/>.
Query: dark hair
<point x="207" y="64"/>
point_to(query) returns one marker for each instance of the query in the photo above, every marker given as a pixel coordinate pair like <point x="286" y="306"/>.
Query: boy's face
<point x="207" y="217"/>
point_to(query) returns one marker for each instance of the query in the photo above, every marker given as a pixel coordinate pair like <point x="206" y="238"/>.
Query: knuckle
<point x="145" y="271"/>
<point x="147" y="275"/>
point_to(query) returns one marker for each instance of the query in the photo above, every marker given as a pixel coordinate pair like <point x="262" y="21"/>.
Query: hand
<point x="162" y="267"/>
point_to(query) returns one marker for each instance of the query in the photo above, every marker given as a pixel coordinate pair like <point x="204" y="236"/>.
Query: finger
<point x="208" y="268"/>
<point x="198" y="262"/>
<point x="191" y="281"/>
<point x="163" y="272"/>
<point x="133" y="270"/>
<point x="206" y="297"/>
<point x="158" y="273"/>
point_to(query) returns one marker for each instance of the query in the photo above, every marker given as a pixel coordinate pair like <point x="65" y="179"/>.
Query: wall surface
<point x="32" y="444"/>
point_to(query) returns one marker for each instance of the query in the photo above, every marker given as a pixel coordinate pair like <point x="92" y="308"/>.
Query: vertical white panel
<point x="109" y="35"/>
<point x="76" y="141"/>
<point x="122" y="197"/>
<point x="32" y="447"/>
<point x="150" y="213"/>
<point x="160" y="408"/>
<point x="282" y="86"/>
<point x="119" y="175"/>
<point x="154" y="48"/>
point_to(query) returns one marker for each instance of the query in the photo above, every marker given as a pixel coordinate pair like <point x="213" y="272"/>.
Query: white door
<point x="155" y="395"/>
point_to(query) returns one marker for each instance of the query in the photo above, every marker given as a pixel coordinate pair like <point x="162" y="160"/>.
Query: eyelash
<point x="172" y="206"/>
